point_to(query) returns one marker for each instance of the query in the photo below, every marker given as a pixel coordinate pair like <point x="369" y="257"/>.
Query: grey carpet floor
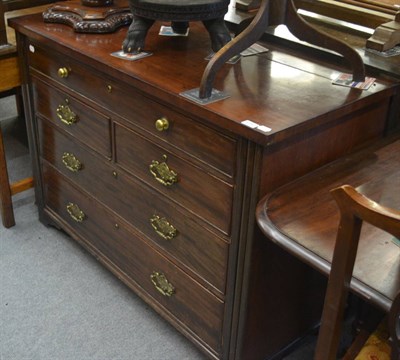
<point x="58" y="303"/>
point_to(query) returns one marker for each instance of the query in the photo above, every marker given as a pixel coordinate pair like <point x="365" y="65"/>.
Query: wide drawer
<point x="182" y="181"/>
<point x="174" y="291"/>
<point x="67" y="112"/>
<point x="204" y="143"/>
<point x="172" y="230"/>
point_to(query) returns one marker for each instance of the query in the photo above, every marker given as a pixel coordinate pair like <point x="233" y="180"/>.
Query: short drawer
<point x="214" y="149"/>
<point x="202" y="142"/>
<point x="72" y="116"/>
<point x="182" y="181"/>
<point x="173" y="290"/>
<point x="172" y="230"/>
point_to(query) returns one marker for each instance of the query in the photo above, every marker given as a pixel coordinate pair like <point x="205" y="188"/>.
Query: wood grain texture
<point x="6" y="207"/>
<point x="255" y="290"/>
<point x="196" y="309"/>
<point x="197" y="248"/>
<point x="303" y="218"/>
<point x="355" y="211"/>
<point x="10" y="74"/>
<point x="256" y="85"/>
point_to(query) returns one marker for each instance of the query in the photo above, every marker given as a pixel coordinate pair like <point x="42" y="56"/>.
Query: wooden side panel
<point x="297" y="156"/>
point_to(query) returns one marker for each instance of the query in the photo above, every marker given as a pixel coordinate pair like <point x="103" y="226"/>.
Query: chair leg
<point x="6" y="207"/>
<point x="394" y="327"/>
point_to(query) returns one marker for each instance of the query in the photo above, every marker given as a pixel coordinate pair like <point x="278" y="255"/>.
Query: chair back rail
<point x="354" y="208"/>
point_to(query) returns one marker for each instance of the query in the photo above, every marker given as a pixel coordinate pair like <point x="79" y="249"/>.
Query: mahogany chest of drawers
<point x="162" y="190"/>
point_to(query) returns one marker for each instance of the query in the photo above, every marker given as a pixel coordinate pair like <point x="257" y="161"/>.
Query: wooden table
<point x="302" y="218"/>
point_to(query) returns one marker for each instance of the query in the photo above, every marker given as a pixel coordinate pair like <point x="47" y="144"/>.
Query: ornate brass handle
<point x="163" y="228"/>
<point x="162" y="124"/>
<point x="66" y="115"/>
<point x="162" y="173"/>
<point x="63" y="72"/>
<point x="161" y="283"/>
<point x="71" y="162"/>
<point x="75" y="212"/>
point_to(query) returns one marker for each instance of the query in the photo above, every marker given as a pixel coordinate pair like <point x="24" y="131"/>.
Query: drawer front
<point x="204" y="143"/>
<point x="171" y="288"/>
<point x="81" y="121"/>
<point x="174" y="232"/>
<point x="201" y="193"/>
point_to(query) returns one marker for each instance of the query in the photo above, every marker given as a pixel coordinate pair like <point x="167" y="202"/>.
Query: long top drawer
<point x="203" y="143"/>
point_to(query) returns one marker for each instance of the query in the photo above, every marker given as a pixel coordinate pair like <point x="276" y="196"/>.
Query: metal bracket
<point x="194" y="95"/>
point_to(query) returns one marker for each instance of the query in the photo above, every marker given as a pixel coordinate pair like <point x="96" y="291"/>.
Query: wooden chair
<point x="7" y="189"/>
<point x="7" y="214"/>
<point x="354" y="210"/>
<point x="10" y="84"/>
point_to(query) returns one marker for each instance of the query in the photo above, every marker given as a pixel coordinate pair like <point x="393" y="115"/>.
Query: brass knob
<point x="162" y="124"/>
<point x="63" y="72"/>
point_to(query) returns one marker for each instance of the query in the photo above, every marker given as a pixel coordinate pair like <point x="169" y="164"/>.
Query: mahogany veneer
<point x="233" y="294"/>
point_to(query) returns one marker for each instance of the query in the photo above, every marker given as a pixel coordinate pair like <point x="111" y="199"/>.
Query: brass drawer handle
<point x="63" y="72"/>
<point x="66" y="115"/>
<point x="162" y="124"/>
<point x="75" y="212"/>
<point x="71" y="162"/>
<point x="162" y="173"/>
<point x="161" y="283"/>
<point x="163" y="228"/>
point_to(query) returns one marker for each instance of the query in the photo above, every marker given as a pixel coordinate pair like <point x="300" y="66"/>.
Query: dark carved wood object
<point x="90" y="16"/>
<point x="145" y="12"/>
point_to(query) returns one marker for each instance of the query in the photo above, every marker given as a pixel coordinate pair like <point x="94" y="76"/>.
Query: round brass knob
<point x="162" y="124"/>
<point x="63" y="72"/>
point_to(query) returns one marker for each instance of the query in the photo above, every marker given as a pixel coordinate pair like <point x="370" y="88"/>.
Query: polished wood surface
<point x="302" y="218"/>
<point x="191" y="304"/>
<point x="255" y="85"/>
<point x="210" y="257"/>
<point x="219" y="169"/>
<point x="273" y="13"/>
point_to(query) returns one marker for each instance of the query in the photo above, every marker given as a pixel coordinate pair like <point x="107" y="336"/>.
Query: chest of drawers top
<point x="285" y="91"/>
